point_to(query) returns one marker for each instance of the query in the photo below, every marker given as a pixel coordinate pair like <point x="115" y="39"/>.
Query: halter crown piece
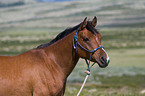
<point x="75" y="43"/>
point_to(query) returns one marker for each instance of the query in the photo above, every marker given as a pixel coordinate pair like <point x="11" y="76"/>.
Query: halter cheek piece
<point x="75" y="43"/>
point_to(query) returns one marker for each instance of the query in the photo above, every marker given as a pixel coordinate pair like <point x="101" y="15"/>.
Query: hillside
<point x="25" y="24"/>
<point x="110" y="13"/>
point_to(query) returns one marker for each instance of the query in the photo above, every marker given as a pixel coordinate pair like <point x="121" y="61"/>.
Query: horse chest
<point x="48" y="90"/>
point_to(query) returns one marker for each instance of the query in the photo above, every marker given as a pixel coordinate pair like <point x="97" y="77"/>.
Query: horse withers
<point x="43" y="71"/>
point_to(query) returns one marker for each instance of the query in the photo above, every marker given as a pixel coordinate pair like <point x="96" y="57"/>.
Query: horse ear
<point x="83" y="24"/>
<point x="94" y="22"/>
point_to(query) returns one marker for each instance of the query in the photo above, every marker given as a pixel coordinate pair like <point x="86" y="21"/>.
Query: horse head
<point x="87" y="42"/>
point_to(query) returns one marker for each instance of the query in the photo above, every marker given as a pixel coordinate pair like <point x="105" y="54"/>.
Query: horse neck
<point x="64" y="54"/>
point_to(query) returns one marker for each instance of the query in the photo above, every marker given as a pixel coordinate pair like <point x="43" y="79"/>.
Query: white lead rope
<point x="83" y="83"/>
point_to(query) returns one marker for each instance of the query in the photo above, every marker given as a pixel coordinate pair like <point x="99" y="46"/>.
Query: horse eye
<point x="85" y="39"/>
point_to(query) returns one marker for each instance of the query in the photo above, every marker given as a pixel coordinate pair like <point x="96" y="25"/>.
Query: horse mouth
<point x="103" y="63"/>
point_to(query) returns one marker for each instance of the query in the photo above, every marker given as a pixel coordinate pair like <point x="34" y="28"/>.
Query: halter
<point x="75" y="43"/>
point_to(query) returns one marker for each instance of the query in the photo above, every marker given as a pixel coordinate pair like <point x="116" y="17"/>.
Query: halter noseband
<point x="75" y="43"/>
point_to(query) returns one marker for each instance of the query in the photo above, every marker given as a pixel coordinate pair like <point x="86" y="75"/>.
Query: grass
<point x="123" y="77"/>
<point x="125" y="72"/>
<point x="121" y="24"/>
<point x="128" y="57"/>
<point x="125" y="38"/>
<point x="29" y="38"/>
<point x="107" y="89"/>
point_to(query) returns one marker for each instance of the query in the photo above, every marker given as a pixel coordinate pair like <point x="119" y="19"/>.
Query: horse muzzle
<point x="103" y="62"/>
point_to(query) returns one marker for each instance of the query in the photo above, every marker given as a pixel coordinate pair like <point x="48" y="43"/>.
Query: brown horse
<point x="43" y="71"/>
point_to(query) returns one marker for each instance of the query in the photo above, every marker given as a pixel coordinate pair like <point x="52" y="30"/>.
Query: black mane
<point x="68" y="31"/>
<point x="59" y="36"/>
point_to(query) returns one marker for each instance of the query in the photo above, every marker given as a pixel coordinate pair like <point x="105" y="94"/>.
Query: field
<point x="125" y="76"/>
<point x="121" y="23"/>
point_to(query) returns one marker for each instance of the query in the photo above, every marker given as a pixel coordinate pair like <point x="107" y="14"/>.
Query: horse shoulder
<point x="47" y="74"/>
<point x="13" y="81"/>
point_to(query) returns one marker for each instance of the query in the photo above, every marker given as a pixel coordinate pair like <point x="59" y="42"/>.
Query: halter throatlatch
<point x="75" y="43"/>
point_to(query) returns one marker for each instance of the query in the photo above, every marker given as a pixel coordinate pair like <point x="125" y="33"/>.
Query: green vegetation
<point x="125" y="76"/>
<point x="121" y="23"/>
<point x="111" y="86"/>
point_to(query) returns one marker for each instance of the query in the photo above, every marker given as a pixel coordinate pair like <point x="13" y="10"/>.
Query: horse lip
<point x="103" y="65"/>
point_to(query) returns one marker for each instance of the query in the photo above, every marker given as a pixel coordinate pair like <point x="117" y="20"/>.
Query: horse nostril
<point x="103" y="60"/>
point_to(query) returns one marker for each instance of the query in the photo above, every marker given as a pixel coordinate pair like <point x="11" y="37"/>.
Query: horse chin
<point x="102" y="64"/>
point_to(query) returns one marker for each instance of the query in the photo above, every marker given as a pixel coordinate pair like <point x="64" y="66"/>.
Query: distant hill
<point x="19" y="3"/>
<point x="10" y="2"/>
<point x="52" y="0"/>
<point x="110" y="13"/>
